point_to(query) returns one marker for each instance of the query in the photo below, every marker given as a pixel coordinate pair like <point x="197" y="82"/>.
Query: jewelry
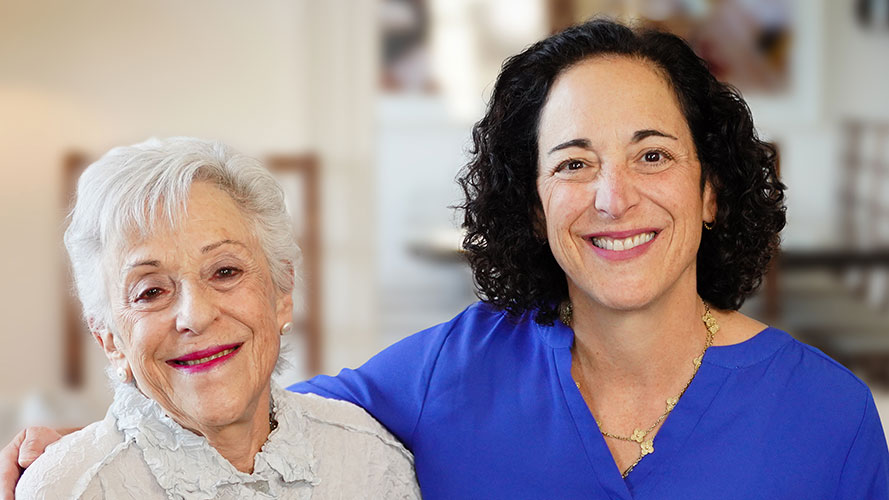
<point x="122" y="374"/>
<point x="273" y="422"/>
<point x="708" y="226"/>
<point x="286" y="327"/>
<point x="566" y="312"/>
<point x="640" y="436"/>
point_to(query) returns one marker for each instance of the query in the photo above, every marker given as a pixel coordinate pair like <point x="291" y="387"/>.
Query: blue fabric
<point x="487" y="404"/>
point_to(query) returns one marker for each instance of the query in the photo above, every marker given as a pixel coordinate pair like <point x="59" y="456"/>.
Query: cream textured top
<point x="321" y="449"/>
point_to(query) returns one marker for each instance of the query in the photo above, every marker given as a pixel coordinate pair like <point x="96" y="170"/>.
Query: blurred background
<point x="363" y="108"/>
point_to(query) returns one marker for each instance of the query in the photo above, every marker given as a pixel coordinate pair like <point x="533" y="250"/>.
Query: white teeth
<point x="208" y="358"/>
<point x="624" y="244"/>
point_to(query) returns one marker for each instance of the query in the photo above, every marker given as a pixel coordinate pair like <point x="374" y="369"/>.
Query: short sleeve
<point x="391" y="386"/>
<point x="866" y="469"/>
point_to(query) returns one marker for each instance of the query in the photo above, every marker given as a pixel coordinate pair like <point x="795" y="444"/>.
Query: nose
<point x="616" y="192"/>
<point x="196" y="309"/>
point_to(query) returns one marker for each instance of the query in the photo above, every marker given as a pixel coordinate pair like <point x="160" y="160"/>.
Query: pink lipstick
<point x="622" y="245"/>
<point x="205" y="359"/>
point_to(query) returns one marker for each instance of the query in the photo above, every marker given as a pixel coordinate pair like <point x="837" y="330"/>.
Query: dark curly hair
<point x="512" y="264"/>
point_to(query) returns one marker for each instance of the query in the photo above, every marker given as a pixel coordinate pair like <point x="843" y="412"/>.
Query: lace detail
<point x="184" y="463"/>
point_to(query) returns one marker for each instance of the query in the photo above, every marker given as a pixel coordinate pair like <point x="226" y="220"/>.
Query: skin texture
<point x="616" y="157"/>
<point x="202" y="285"/>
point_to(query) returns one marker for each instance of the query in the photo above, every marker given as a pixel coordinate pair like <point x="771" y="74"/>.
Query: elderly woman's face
<point x="620" y="183"/>
<point x="197" y="315"/>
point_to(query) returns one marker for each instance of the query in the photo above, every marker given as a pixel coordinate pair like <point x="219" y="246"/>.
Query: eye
<point x="656" y="156"/>
<point x="571" y="165"/>
<point x="574" y="165"/>
<point x="225" y="273"/>
<point x="149" y="294"/>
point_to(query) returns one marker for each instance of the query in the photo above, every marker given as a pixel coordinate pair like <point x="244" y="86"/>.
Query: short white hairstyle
<point x="130" y="189"/>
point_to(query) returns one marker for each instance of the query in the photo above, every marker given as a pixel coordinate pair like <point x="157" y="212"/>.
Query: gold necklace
<point x="640" y="436"/>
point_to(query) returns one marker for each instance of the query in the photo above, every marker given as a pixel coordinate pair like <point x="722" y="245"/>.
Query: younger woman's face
<point x="620" y="183"/>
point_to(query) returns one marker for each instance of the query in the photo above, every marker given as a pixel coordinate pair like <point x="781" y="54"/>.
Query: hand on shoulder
<point x="21" y="452"/>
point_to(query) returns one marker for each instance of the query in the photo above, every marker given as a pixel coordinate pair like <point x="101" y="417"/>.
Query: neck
<point x="240" y="441"/>
<point x="640" y="347"/>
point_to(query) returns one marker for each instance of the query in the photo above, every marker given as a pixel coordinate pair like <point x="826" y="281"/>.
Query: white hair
<point x="131" y="188"/>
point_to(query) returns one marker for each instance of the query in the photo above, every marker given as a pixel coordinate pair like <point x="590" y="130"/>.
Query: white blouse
<point x="321" y="449"/>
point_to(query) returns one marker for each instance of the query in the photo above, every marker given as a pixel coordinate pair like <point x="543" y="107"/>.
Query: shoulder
<point x="817" y="369"/>
<point x="68" y="466"/>
<point x="478" y="321"/>
<point x="357" y="456"/>
<point x="335" y="416"/>
<point x="803" y="380"/>
<point x="479" y="326"/>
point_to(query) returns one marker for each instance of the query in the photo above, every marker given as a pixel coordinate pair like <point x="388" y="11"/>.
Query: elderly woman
<point x="183" y="257"/>
<point x="619" y="209"/>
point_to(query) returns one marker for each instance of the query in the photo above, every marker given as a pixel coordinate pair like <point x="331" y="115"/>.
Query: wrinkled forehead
<point x="207" y="214"/>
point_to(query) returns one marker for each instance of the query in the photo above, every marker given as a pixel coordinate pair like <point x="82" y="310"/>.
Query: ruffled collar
<point x="185" y="464"/>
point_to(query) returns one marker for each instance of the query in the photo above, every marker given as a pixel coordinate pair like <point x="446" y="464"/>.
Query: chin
<point x="619" y="296"/>
<point x="624" y="303"/>
<point x="220" y="415"/>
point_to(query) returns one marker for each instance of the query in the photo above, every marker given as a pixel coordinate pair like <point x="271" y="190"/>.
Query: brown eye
<point x="149" y="294"/>
<point x="653" y="156"/>
<point x="227" y="272"/>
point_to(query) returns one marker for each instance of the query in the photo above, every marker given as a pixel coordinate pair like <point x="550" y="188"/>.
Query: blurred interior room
<point x="363" y="108"/>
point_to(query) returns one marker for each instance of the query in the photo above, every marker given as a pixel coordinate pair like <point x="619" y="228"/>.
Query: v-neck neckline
<point x="670" y="438"/>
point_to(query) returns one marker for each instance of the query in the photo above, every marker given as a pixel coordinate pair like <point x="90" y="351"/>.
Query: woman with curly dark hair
<point x="619" y="209"/>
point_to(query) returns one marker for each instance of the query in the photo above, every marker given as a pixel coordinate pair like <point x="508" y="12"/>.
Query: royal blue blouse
<point x="487" y="404"/>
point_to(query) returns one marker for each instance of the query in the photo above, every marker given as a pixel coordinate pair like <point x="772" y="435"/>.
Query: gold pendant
<point x="672" y="402"/>
<point x="638" y="435"/>
<point x="647" y="447"/>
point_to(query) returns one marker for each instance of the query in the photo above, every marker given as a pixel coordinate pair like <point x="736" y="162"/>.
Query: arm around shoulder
<point x="67" y="468"/>
<point x="392" y="386"/>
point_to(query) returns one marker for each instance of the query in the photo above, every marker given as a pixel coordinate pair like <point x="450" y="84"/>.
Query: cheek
<point x="143" y="341"/>
<point x="564" y="204"/>
<point x="146" y="335"/>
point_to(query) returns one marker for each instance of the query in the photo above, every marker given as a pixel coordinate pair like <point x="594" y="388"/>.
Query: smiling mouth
<point x="621" y="244"/>
<point x="205" y="357"/>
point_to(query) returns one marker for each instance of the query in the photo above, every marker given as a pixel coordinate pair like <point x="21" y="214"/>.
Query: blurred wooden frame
<point x="306" y="320"/>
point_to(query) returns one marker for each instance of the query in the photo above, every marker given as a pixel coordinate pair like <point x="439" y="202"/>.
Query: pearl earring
<point x="286" y="327"/>
<point x="122" y="375"/>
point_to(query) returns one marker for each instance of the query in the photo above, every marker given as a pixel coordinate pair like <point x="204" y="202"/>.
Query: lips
<point x="622" y="245"/>
<point x="205" y="358"/>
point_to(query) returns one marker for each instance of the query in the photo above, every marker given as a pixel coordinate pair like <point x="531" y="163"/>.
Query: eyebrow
<point x="642" y="134"/>
<point x="638" y="136"/>
<point x="213" y="246"/>
<point x="205" y="249"/>
<point x="573" y="143"/>
<point x="152" y="263"/>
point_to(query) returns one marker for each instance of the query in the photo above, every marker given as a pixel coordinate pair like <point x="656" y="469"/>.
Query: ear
<point x="710" y="206"/>
<point x="106" y="340"/>
<point x="284" y="307"/>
